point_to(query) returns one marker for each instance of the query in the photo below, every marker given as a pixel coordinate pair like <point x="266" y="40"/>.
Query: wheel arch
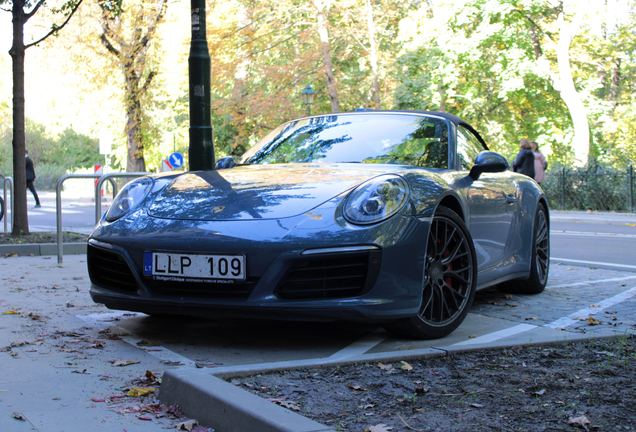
<point x="452" y="202"/>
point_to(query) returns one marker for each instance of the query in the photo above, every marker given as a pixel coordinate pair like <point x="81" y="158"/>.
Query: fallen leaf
<point x="540" y="392"/>
<point x="18" y="416"/>
<point x="385" y="367"/>
<point x="11" y="312"/>
<point x="593" y="321"/>
<point x="124" y="362"/>
<point x="144" y="418"/>
<point x="379" y="428"/>
<point x="98" y="400"/>
<point x="421" y="390"/>
<point x="355" y="387"/>
<point x="472" y="336"/>
<point x="579" y="421"/>
<point x="290" y="405"/>
<point x="187" y="425"/>
<point x="532" y="318"/>
<point x="406" y="366"/>
<point x="141" y="391"/>
<point x="476" y="405"/>
<point x="152" y="378"/>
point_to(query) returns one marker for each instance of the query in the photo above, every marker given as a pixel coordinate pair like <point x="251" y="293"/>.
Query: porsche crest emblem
<point x="217" y="209"/>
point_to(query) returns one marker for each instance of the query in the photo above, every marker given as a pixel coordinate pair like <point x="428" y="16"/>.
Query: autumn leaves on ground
<point x="570" y="386"/>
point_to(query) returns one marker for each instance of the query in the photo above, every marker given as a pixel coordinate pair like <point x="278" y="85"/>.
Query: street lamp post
<point x="201" y="150"/>
<point x="308" y="97"/>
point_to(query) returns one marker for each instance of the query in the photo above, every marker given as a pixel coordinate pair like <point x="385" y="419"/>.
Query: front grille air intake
<point x="109" y="270"/>
<point x="331" y="276"/>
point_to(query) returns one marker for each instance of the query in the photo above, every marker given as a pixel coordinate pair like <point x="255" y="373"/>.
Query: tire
<point x="450" y="278"/>
<point x="540" y="259"/>
<point x="1" y="208"/>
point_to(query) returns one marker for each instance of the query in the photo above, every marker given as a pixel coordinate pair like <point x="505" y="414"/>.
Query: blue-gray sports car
<point x="389" y="217"/>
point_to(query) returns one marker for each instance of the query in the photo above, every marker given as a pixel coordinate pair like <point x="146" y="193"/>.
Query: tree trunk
<point x="132" y="60"/>
<point x="19" y="216"/>
<point x="326" y="56"/>
<point x="373" y="54"/>
<point x="568" y="92"/>
<point x="135" y="161"/>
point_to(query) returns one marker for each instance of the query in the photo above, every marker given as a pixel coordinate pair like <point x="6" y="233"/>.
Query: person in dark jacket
<point x="524" y="164"/>
<point x="30" y="178"/>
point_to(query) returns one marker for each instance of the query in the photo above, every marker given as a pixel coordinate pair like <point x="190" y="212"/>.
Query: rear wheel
<point x="450" y="277"/>
<point x="540" y="259"/>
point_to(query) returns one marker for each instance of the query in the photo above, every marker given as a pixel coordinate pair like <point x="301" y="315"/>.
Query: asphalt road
<point x="594" y="244"/>
<point x="78" y="212"/>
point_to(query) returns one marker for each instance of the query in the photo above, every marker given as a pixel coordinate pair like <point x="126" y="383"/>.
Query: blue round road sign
<point x="176" y="160"/>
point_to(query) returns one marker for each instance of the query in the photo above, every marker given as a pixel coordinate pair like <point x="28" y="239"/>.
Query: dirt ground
<point x="565" y="387"/>
<point x="41" y="237"/>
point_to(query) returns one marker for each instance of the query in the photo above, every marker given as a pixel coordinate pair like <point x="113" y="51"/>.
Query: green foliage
<point x="53" y="156"/>
<point x="592" y="187"/>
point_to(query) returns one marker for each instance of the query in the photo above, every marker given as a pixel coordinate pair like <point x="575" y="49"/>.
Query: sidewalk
<point x="596" y="217"/>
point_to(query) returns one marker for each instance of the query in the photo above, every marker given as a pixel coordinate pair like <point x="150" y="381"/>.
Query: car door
<point x="492" y="202"/>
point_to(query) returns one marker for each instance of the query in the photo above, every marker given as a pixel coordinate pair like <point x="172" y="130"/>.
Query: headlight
<point x="376" y="200"/>
<point x="129" y="197"/>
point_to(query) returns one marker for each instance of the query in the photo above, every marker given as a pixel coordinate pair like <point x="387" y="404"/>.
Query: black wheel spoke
<point x="449" y="267"/>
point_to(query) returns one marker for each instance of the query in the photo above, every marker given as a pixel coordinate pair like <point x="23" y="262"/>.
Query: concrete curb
<point x="227" y="408"/>
<point x="36" y="249"/>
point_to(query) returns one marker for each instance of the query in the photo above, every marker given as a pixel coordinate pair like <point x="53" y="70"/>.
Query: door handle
<point x="510" y="199"/>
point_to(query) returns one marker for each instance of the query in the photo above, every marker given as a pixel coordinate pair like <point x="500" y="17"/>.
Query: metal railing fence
<point x="592" y="189"/>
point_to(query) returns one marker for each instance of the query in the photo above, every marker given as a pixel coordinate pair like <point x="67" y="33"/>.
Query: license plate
<point x="194" y="266"/>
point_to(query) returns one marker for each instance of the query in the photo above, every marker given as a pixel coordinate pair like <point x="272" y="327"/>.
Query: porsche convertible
<point x="394" y="218"/>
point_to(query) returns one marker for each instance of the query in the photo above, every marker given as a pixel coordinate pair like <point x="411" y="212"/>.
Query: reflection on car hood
<point x="257" y="191"/>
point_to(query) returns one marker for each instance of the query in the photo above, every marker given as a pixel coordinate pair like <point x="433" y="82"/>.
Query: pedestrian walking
<point x="540" y="164"/>
<point x="30" y="178"/>
<point x="524" y="163"/>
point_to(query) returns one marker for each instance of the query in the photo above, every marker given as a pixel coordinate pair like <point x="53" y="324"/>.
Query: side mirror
<point x="224" y="163"/>
<point x="488" y="161"/>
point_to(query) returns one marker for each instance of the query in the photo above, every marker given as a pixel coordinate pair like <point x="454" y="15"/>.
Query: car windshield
<point x="364" y="138"/>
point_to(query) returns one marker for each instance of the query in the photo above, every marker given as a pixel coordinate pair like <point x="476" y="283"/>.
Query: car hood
<point x="257" y="191"/>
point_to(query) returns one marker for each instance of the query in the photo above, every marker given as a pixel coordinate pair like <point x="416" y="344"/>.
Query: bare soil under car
<point x="564" y="387"/>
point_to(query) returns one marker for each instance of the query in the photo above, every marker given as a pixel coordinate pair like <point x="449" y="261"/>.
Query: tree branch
<point x="34" y="10"/>
<point x="109" y="46"/>
<point x="151" y="75"/>
<point x="55" y="28"/>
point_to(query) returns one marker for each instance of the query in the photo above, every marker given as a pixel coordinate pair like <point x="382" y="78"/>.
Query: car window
<point x="468" y="147"/>
<point x="376" y="138"/>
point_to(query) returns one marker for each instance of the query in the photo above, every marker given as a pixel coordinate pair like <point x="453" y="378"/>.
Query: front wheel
<point x="450" y="278"/>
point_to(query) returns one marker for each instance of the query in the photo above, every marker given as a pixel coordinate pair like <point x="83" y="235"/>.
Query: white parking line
<point x="360" y="346"/>
<point x="585" y="313"/>
<point x="491" y="337"/>
<point x="106" y="321"/>
<point x="593" y="263"/>
<point x="592" y="282"/>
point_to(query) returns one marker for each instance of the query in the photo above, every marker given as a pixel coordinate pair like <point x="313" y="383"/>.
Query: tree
<point x="322" y="8"/>
<point x="22" y="11"/>
<point x="127" y="36"/>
